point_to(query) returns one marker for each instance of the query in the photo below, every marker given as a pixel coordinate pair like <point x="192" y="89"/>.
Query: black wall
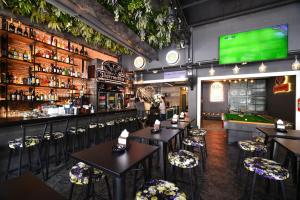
<point x="281" y="105"/>
<point x="208" y="106"/>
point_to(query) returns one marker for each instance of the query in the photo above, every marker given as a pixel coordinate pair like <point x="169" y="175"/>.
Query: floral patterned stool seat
<point x="251" y="148"/>
<point x="268" y="169"/>
<point x="199" y="132"/>
<point x="185" y="160"/>
<point x="196" y="142"/>
<point x="79" y="175"/>
<point x="55" y="135"/>
<point x="74" y="130"/>
<point x="160" y="190"/>
<point x="76" y="135"/>
<point x="30" y="141"/>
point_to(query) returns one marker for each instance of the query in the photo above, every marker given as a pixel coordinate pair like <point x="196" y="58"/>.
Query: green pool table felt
<point x="247" y="118"/>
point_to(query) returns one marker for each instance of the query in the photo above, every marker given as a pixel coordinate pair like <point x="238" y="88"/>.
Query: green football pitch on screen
<point x="256" y="45"/>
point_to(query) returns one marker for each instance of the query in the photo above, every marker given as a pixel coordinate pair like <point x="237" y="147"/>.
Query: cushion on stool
<point x="101" y="125"/>
<point x="29" y="142"/>
<point x="160" y="190"/>
<point x="193" y="141"/>
<point x="266" y="168"/>
<point x="183" y="159"/>
<point x="72" y="130"/>
<point x="259" y="139"/>
<point x="79" y="174"/>
<point x="249" y="145"/>
<point x="197" y="132"/>
<point x="93" y="125"/>
<point x="56" y="135"/>
<point x="110" y="123"/>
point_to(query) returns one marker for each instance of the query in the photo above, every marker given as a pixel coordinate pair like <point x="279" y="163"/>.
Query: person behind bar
<point x="162" y="108"/>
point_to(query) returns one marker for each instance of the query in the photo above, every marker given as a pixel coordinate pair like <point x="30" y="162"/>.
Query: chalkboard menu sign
<point x="111" y="72"/>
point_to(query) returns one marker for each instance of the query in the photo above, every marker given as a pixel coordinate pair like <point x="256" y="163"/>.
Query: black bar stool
<point x="76" y="133"/>
<point x="27" y="143"/>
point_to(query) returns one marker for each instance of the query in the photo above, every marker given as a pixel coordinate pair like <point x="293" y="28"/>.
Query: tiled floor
<point x="219" y="181"/>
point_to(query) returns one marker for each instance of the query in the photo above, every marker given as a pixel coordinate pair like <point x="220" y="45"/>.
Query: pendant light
<point x="212" y="70"/>
<point x="262" y="68"/>
<point x="236" y="69"/>
<point x="296" y="64"/>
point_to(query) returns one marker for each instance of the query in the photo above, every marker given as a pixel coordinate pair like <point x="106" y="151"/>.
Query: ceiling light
<point x="155" y="71"/>
<point x="240" y="80"/>
<point x="236" y="69"/>
<point x="262" y="67"/>
<point x="139" y="62"/>
<point x="172" y="57"/>
<point x="245" y="80"/>
<point x="235" y="81"/>
<point x="296" y="64"/>
<point x="252" y="81"/>
<point x="212" y="71"/>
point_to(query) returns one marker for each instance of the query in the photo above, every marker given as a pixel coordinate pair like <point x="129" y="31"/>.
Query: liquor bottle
<point x="11" y="78"/>
<point x="19" y="29"/>
<point x="33" y="80"/>
<point x="76" y="50"/>
<point x="11" y="27"/>
<point x="22" y="97"/>
<point x="37" y="81"/>
<point x="4" y="23"/>
<point x="14" y="96"/>
<point x="72" y="49"/>
<point x="31" y="33"/>
<point x="82" y="51"/>
<point x="33" y="95"/>
<point x="25" y="56"/>
<point x="18" y="96"/>
<point x="25" y="32"/>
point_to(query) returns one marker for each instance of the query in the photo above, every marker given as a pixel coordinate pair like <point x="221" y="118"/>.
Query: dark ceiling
<point x="199" y="12"/>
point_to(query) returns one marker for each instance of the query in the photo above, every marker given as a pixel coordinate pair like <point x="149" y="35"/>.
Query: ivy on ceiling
<point x="152" y="25"/>
<point x="42" y="12"/>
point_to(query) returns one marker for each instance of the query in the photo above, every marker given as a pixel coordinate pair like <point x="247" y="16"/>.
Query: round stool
<point x="110" y="129"/>
<point x="185" y="160"/>
<point x="268" y="169"/>
<point x="160" y="189"/>
<point x="79" y="175"/>
<point x="78" y="134"/>
<point x="249" y="147"/>
<point x="199" y="132"/>
<point x="196" y="142"/>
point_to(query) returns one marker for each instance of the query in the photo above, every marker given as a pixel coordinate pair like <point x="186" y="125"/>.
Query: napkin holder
<point x="174" y="121"/>
<point x="122" y="144"/>
<point x="280" y="126"/>
<point x="156" y="129"/>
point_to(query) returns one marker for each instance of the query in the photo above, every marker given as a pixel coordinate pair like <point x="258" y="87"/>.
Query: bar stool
<point x="75" y="132"/>
<point x="56" y="138"/>
<point x="196" y="142"/>
<point x="80" y="175"/>
<point x="160" y="189"/>
<point x="110" y="128"/>
<point x="199" y="132"/>
<point x="268" y="169"/>
<point x="249" y="148"/>
<point x="184" y="159"/>
<point x="27" y="143"/>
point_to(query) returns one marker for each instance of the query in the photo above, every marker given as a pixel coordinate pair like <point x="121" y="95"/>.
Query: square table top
<point x="187" y="119"/>
<point x="179" y="125"/>
<point x="291" y="145"/>
<point x="116" y="164"/>
<point x="27" y="186"/>
<point x="165" y="135"/>
<point x="272" y="132"/>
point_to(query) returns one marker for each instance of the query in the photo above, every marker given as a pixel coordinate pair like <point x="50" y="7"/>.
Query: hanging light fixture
<point x="262" y="68"/>
<point x="296" y="64"/>
<point x="212" y="70"/>
<point x="236" y="69"/>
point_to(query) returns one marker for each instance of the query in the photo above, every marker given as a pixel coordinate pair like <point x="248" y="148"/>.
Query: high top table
<point x="164" y="137"/>
<point x="292" y="146"/>
<point x="271" y="133"/>
<point x="29" y="187"/>
<point x="115" y="164"/>
<point x="182" y="126"/>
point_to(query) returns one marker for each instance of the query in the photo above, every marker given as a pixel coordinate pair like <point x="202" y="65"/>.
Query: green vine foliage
<point x="151" y="25"/>
<point x="40" y="11"/>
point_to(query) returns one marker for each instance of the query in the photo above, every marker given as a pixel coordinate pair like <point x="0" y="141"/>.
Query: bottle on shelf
<point x="32" y="33"/>
<point x="37" y="81"/>
<point x="14" y="96"/>
<point x="18" y="96"/>
<point x="25" y="56"/>
<point x="76" y="50"/>
<point x="4" y="23"/>
<point x="19" y="29"/>
<point x="82" y="51"/>
<point x="11" y="27"/>
<point x="25" y="32"/>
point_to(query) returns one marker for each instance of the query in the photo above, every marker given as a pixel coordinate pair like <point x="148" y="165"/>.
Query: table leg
<point x="271" y="149"/>
<point x="298" y="178"/>
<point x="149" y="167"/>
<point x="119" y="188"/>
<point x="163" y="159"/>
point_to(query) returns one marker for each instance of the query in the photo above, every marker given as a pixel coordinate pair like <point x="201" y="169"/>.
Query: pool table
<point x="243" y="126"/>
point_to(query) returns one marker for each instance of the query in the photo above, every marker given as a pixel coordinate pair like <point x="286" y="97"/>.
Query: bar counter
<point x="6" y="122"/>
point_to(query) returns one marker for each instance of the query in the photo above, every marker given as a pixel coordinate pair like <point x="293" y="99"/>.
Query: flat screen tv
<point x="256" y="45"/>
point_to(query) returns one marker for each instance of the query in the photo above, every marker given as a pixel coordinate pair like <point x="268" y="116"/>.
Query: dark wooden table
<point x="27" y="186"/>
<point x="187" y="119"/>
<point x="102" y="157"/>
<point x="180" y="125"/>
<point x="292" y="146"/>
<point x="271" y="133"/>
<point x="164" y="137"/>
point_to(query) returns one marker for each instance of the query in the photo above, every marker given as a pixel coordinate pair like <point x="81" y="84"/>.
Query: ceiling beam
<point x="96" y="16"/>
<point x="196" y="2"/>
